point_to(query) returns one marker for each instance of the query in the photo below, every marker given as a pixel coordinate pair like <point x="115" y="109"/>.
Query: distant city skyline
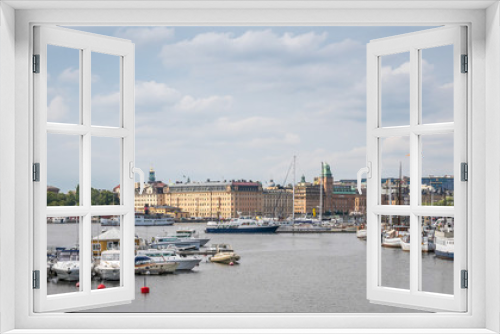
<point x="225" y="103"/>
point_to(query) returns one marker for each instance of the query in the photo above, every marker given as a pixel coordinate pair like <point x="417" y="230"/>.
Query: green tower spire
<point x="152" y="177"/>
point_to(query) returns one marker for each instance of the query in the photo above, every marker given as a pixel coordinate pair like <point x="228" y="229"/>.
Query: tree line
<point x="72" y="198"/>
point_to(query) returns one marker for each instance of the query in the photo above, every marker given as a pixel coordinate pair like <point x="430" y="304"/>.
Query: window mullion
<point x="414" y="171"/>
<point x="85" y="168"/>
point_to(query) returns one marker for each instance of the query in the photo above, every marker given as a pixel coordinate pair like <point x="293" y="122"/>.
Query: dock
<point x="286" y="229"/>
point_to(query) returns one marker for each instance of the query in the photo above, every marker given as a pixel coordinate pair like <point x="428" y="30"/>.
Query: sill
<point x="251" y="331"/>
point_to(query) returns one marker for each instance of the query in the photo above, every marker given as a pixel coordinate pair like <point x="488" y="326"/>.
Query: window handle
<point x="365" y="170"/>
<point x="135" y="170"/>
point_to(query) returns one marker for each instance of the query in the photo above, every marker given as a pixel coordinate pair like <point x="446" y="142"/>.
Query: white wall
<point x="493" y="163"/>
<point x="7" y="159"/>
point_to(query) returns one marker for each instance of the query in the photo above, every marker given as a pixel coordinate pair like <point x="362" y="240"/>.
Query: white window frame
<point x="484" y="50"/>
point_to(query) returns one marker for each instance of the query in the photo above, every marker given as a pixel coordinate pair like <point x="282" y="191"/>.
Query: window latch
<point x="134" y="170"/>
<point x="365" y="170"/>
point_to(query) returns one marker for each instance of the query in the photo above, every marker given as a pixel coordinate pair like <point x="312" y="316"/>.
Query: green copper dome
<point x="326" y="170"/>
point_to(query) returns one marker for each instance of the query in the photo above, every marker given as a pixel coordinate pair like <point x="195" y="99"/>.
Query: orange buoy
<point x="231" y="263"/>
<point x="101" y="286"/>
<point x="144" y="289"/>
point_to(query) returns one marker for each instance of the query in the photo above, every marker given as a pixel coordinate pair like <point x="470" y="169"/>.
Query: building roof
<point x="112" y="234"/>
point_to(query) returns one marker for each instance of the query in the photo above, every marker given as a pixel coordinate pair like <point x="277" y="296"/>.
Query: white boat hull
<point x="361" y="234"/>
<point x="391" y="242"/>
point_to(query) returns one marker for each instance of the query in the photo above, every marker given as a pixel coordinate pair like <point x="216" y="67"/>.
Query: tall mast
<point x="321" y="194"/>
<point x="293" y="190"/>
<point x="399" y="187"/>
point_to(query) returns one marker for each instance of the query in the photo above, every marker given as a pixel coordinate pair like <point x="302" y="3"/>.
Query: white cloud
<point x="107" y="100"/>
<point x="153" y="93"/>
<point x="146" y="35"/>
<point x="212" y="103"/>
<point x="57" y="109"/>
<point x="70" y="75"/>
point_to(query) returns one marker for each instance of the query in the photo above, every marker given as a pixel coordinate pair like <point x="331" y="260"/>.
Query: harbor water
<point x="302" y="273"/>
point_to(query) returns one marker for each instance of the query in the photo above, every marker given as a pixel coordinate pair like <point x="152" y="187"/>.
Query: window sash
<point x="86" y="43"/>
<point x="412" y="43"/>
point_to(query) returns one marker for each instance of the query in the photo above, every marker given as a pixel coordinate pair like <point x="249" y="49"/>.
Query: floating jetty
<point x="292" y="229"/>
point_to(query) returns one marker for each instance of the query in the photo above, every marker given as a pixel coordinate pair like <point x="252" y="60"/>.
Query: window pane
<point x="106" y="170"/>
<point x="395" y="89"/>
<point x="63" y="85"/>
<point x="437" y="254"/>
<point x="395" y="263"/>
<point x="437" y="170"/>
<point x="437" y="84"/>
<point x="106" y="252"/>
<point x="63" y="255"/>
<point x="395" y="171"/>
<point x="105" y="90"/>
<point x="63" y="170"/>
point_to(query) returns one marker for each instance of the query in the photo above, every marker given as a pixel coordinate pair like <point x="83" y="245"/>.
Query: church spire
<point x="152" y="176"/>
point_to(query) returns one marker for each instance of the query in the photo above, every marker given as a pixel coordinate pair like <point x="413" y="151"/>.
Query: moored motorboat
<point x="405" y="243"/>
<point x="224" y="254"/>
<point x="361" y="232"/>
<point x="109" y="266"/>
<point x="241" y="225"/>
<point x="67" y="265"/>
<point x="190" y="235"/>
<point x="145" y="265"/>
<point x="153" y="220"/>
<point x="161" y="242"/>
<point x="391" y="239"/>
<point x="170" y="255"/>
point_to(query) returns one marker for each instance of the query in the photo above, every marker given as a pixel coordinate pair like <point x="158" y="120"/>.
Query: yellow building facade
<point x="215" y="199"/>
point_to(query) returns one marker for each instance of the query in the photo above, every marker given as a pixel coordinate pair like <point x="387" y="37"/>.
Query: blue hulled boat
<point x="240" y="225"/>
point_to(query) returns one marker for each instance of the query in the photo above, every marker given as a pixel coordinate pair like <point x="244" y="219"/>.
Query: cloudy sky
<point x="225" y="103"/>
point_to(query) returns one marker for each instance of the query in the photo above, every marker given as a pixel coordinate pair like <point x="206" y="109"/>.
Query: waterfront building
<point x="307" y="194"/>
<point x="277" y="201"/>
<point x="213" y="199"/>
<point x="172" y="211"/>
<point x="152" y="194"/>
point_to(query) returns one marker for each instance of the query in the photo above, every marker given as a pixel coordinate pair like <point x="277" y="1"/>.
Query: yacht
<point x="169" y="255"/>
<point x="391" y="239"/>
<point x="67" y="265"/>
<point x="444" y="239"/>
<point x="241" y="225"/>
<point x="153" y="220"/>
<point x="145" y="265"/>
<point x="109" y="266"/>
<point x="190" y="235"/>
<point x="161" y="242"/>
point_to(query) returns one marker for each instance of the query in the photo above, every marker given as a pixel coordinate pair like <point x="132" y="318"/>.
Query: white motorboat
<point x="190" y="235"/>
<point x="153" y="220"/>
<point x="444" y="239"/>
<point x="109" y="266"/>
<point x="361" y="232"/>
<point x="391" y="239"/>
<point x="145" y="265"/>
<point x="162" y="242"/>
<point x="405" y="243"/>
<point x="67" y="267"/>
<point x="169" y="255"/>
